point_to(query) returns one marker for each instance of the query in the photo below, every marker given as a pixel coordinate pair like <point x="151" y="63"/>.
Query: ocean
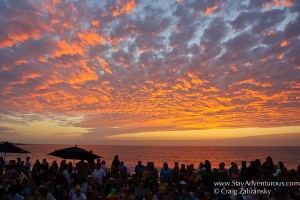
<point x="187" y="155"/>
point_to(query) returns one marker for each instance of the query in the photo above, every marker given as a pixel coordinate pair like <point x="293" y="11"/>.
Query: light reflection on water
<point x="184" y="155"/>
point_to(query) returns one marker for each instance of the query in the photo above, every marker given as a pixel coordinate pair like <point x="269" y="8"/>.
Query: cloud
<point x="205" y="7"/>
<point x="268" y="19"/>
<point x="90" y="39"/>
<point x="16" y="30"/>
<point x="6" y="130"/>
<point x="152" y="23"/>
<point x="123" y="7"/>
<point x="151" y="67"/>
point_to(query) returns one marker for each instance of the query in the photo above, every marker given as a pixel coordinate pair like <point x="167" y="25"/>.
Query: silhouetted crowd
<point x="94" y="180"/>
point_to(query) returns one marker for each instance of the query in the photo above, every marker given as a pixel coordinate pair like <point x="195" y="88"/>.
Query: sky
<point x="133" y="72"/>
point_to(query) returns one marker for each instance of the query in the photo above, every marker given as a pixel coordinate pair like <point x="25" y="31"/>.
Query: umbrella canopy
<point x="8" y="147"/>
<point x="74" y="153"/>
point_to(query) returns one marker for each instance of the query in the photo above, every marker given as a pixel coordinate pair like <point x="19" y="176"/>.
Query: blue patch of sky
<point x="288" y="18"/>
<point x="86" y="25"/>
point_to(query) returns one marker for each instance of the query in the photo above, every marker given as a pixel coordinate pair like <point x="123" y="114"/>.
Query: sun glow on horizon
<point x="211" y="134"/>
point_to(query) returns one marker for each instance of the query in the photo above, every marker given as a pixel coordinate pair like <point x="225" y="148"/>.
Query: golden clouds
<point x="15" y="38"/>
<point x="210" y="10"/>
<point x="277" y="3"/>
<point x="95" y="23"/>
<point x="194" y="79"/>
<point x="123" y="7"/>
<point x="64" y="48"/>
<point x="284" y="43"/>
<point x="280" y="56"/>
<point x="104" y="65"/>
<point x="20" y="62"/>
<point x="90" y="39"/>
<point x="81" y="74"/>
<point x="251" y="82"/>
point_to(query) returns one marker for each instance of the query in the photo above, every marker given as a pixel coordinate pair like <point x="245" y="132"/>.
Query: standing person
<point x="127" y="169"/>
<point x="36" y="170"/>
<point x="27" y="166"/>
<point x="54" y="167"/>
<point x="139" y="168"/>
<point x="268" y="168"/>
<point x="233" y="171"/>
<point x="98" y="161"/>
<point x="98" y="174"/>
<point x="45" y="165"/>
<point x="243" y="174"/>
<point x="67" y="174"/>
<point x="176" y="169"/>
<point x="201" y="168"/>
<point x="63" y="165"/>
<point x="253" y="172"/>
<point x="18" y="164"/>
<point x="182" y="172"/>
<point x="115" y="166"/>
<point x="152" y="175"/>
<point x="104" y="167"/>
<point x="207" y="166"/>
<point x="176" y="172"/>
<point x="123" y="171"/>
<point x="165" y="173"/>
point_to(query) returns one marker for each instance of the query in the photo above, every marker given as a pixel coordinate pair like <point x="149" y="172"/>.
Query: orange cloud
<point x="104" y="65"/>
<point x="182" y="85"/>
<point x="234" y="68"/>
<point x="15" y="38"/>
<point x="42" y="59"/>
<point x="81" y="75"/>
<point x="277" y="3"/>
<point x="20" y="62"/>
<point x="65" y="48"/>
<point x="194" y="79"/>
<point x="288" y="3"/>
<point x="280" y="56"/>
<point x="284" y="43"/>
<point x="95" y="23"/>
<point x="124" y="7"/>
<point x="25" y="78"/>
<point x="252" y="82"/>
<point x="90" y="38"/>
<point x="210" y="10"/>
<point x="211" y="89"/>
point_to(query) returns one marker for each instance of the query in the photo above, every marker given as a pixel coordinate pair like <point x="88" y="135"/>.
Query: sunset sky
<point x="185" y="72"/>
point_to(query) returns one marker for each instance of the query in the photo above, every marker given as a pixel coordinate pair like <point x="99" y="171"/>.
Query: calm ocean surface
<point x="159" y="154"/>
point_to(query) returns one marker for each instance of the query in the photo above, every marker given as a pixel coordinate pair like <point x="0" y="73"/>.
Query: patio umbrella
<point x="74" y="153"/>
<point x="8" y="147"/>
